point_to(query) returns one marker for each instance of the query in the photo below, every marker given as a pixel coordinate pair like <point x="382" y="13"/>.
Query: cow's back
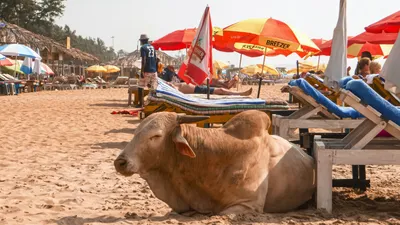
<point x="291" y="176"/>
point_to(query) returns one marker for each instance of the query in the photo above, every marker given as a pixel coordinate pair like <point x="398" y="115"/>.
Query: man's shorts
<point x="149" y="81"/>
<point x="202" y="90"/>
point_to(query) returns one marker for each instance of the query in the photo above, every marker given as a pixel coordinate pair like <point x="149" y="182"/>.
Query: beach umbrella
<point x="389" y="24"/>
<point x="18" y="50"/>
<point x="97" y="69"/>
<point x="381" y="38"/>
<point x="269" y="32"/>
<point x="43" y="68"/>
<point x="337" y="64"/>
<point x="219" y="65"/>
<point x="46" y="69"/>
<point x="251" y="70"/>
<point x="27" y="66"/>
<point x="355" y="49"/>
<point x="111" y="69"/>
<point x="270" y="70"/>
<point x="177" y="40"/>
<point x="6" y="62"/>
<point x="254" y="69"/>
<point x="15" y="67"/>
<point x="36" y="65"/>
<point x="376" y="50"/>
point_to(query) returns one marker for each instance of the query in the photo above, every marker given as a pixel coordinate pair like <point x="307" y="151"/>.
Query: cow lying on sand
<point x="233" y="169"/>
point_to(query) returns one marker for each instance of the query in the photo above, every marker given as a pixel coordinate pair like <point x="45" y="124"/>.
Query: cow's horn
<point x="182" y="118"/>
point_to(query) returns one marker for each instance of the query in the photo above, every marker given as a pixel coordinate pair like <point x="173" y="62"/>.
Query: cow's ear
<point x="181" y="143"/>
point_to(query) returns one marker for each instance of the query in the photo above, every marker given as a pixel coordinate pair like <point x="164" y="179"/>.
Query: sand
<point x="56" y="167"/>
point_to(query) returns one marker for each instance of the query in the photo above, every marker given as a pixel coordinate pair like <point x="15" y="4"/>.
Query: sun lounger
<point x="120" y="82"/>
<point x="317" y="112"/>
<point x="318" y="83"/>
<point x="378" y="84"/>
<point x="359" y="147"/>
<point x="220" y="109"/>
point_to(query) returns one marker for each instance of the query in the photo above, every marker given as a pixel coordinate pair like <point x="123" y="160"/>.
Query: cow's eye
<point x="155" y="137"/>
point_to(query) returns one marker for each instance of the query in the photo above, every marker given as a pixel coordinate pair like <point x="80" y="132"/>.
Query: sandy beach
<point x="57" y="150"/>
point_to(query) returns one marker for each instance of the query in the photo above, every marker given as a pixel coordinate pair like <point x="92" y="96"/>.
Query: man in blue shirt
<point x="148" y="75"/>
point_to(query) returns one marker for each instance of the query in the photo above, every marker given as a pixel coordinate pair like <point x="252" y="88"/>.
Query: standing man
<point x="148" y="73"/>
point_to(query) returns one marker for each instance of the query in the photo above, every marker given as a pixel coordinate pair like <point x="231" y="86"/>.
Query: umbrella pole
<point x="262" y="72"/>
<point x="240" y="65"/>
<point x="297" y="67"/>
<point x="15" y="67"/>
<point x="319" y="58"/>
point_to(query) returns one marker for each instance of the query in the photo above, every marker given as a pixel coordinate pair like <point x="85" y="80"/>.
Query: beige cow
<point x="233" y="169"/>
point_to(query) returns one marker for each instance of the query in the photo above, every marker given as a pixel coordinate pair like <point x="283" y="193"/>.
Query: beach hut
<point x="61" y="58"/>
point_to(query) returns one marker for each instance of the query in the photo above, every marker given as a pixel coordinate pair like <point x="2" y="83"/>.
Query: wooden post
<point x="259" y="87"/>
<point x="208" y="88"/>
<point x="262" y="72"/>
<point x="240" y="65"/>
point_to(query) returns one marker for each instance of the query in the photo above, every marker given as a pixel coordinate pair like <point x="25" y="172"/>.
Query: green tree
<point x="39" y="16"/>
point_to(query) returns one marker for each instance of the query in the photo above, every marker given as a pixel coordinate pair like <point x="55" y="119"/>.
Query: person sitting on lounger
<point x="375" y="70"/>
<point x="363" y="66"/>
<point x="192" y="89"/>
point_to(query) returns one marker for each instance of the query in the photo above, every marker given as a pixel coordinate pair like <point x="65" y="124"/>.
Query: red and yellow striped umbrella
<point x="270" y="33"/>
<point x="356" y="49"/>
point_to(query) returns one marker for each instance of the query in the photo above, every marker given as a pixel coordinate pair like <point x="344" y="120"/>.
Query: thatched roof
<point x="129" y="60"/>
<point x="12" y="33"/>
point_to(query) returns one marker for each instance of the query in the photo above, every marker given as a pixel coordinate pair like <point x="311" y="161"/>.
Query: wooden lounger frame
<point x="311" y="115"/>
<point x="379" y="87"/>
<point x="334" y="95"/>
<point x="359" y="147"/>
<point x="222" y="116"/>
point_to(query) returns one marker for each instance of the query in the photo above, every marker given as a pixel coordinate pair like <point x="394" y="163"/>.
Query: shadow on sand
<point x="111" y="105"/>
<point x="76" y="220"/>
<point x="104" y="145"/>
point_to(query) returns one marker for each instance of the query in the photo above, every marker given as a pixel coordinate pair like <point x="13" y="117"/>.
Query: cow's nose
<point x="120" y="164"/>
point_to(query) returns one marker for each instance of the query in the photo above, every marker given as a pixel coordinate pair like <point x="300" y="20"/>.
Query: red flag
<point x="198" y="63"/>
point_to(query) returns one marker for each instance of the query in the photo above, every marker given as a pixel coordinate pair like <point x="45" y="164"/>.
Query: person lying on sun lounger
<point x="192" y="89"/>
<point x="224" y="84"/>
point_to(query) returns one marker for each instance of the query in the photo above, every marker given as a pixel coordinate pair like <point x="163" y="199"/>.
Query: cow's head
<point x="155" y="135"/>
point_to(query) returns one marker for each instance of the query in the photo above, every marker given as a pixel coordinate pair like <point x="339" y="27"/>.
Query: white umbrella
<point x="2" y="57"/>
<point x="337" y="63"/>
<point x="391" y="68"/>
<point x="18" y="50"/>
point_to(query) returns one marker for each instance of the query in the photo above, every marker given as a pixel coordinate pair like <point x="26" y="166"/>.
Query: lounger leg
<point x="141" y="97"/>
<point x="129" y="97"/>
<point x="362" y="181"/>
<point x="324" y="180"/>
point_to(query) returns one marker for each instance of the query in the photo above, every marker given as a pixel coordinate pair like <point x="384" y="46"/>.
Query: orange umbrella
<point x="270" y="33"/>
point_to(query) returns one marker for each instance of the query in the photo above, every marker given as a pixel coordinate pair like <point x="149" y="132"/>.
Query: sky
<point x="125" y="20"/>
